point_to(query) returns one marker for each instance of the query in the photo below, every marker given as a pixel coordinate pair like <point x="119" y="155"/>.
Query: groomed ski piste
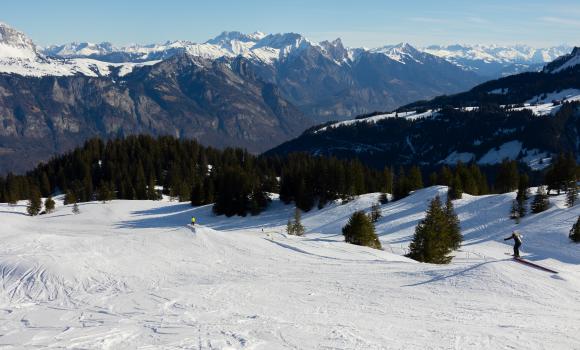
<point x="133" y="275"/>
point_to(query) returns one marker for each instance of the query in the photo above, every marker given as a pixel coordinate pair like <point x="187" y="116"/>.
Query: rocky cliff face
<point x="218" y="102"/>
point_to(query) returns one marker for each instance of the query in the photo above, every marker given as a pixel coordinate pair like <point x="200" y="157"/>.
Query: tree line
<point x="238" y="182"/>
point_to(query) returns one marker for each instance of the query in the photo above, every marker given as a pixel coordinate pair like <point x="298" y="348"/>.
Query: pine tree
<point x="49" y="205"/>
<point x="507" y="178"/>
<point x="575" y="231"/>
<point x="384" y="198"/>
<point x="388" y="180"/>
<point x="44" y="184"/>
<point x="298" y="228"/>
<point x="571" y="193"/>
<point x="523" y="186"/>
<point x="360" y="231"/>
<point x="295" y="227"/>
<point x="401" y="187"/>
<point x="290" y="228"/>
<point x="76" y="209"/>
<point x="541" y="201"/>
<point x="453" y="224"/>
<point x="105" y="192"/>
<point x="445" y="176"/>
<point x="415" y="179"/>
<point x="514" y="212"/>
<point x="455" y="191"/>
<point x="375" y="213"/>
<point x="70" y="197"/>
<point x="34" y="202"/>
<point x="521" y="203"/>
<point x="436" y="235"/>
<point x="433" y="179"/>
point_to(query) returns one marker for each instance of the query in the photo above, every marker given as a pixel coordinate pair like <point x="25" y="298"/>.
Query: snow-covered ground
<point x="412" y="115"/>
<point x="130" y="274"/>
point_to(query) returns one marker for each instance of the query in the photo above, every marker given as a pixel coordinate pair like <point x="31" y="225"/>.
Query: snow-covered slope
<point x="411" y="115"/>
<point x="129" y="274"/>
<point x="564" y="62"/>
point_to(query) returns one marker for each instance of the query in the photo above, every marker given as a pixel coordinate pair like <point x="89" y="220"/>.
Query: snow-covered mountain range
<point x="495" y="60"/>
<point x="486" y="60"/>
<point x="19" y="55"/>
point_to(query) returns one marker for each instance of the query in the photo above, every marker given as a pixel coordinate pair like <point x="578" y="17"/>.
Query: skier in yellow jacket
<point x="192" y="221"/>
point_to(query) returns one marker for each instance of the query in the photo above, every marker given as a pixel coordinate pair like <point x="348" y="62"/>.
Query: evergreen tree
<point x="445" y="176"/>
<point x="298" y="227"/>
<point x="401" y="188"/>
<point x="384" y="198"/>
<point x="436" y="235"/>
<point x="507" y="178"/>
<point x="455" y="191"/>
<point x="575" y="231"/>
<point x="521" y="203"/>
<point x="561" y="173"/>
<point x="514" y="212"/>
<point x="12" y="194"/>
<point x="70" y="197"/>
<point x="523" y="186"/>
<point x="360" y="231"/>
<point x="571" y="193"/>
<point x="541" y="201"/>
<point x="415" y="179"/>
<point x="295" y="227"/>
<point x="388" y="180"/>
<point x="152" y="193"/>
<point x="105" y="192"/>
<point x="454" y="225"/>
<point x="44" y="185"/>
<point x="433" y="179"/>
<point x="49" y="205"/>
<point x="375" y="213"/>
<point x="34" y="202"/>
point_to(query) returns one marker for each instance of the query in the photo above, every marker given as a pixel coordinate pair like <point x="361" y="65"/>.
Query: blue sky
<point x="367" y="23"/>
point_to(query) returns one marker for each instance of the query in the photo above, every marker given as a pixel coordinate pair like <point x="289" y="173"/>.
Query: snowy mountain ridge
<point x="498" y="53"/>
<point x="19" y="55"/>
<point x="487" y="60"/>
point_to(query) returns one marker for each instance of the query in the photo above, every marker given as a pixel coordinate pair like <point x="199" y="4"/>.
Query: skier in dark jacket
<point x="517" y="237"/>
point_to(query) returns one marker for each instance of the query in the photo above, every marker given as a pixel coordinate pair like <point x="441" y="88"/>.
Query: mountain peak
<point x="227" y="36"/>
<point x="564" y="62"/>
<point x="15" y="44"/>
<point x="402" y="52"/>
